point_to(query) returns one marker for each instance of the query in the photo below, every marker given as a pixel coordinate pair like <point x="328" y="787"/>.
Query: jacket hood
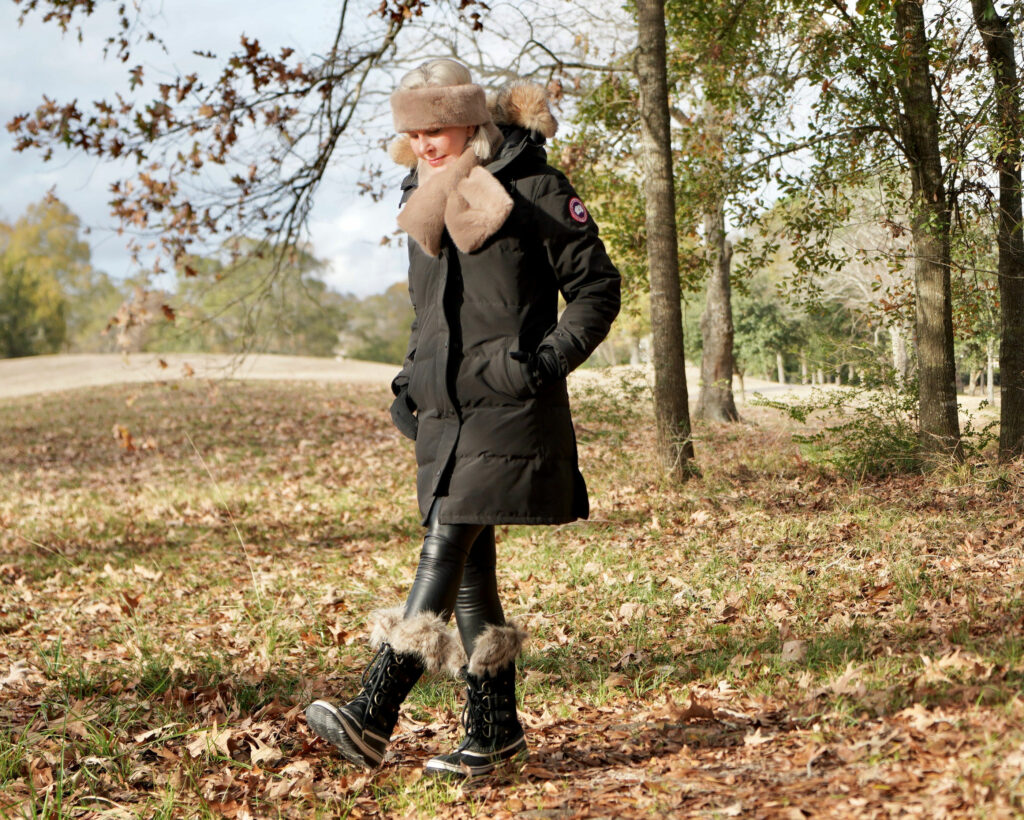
<point x="518" y="106"/>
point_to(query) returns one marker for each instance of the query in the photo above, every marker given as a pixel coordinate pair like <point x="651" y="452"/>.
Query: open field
<point x="185" y="565"/>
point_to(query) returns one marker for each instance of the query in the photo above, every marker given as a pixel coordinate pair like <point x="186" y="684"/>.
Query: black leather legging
<point x="456" y="573"/>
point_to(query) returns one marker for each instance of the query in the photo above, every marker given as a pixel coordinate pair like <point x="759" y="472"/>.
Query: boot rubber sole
<point x="470" y="765"/>
<point x="342" y="732"/>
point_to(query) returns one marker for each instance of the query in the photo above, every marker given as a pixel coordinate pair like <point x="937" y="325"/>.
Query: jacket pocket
<point x="504" y="375"/>
<point x="421" y="390"/>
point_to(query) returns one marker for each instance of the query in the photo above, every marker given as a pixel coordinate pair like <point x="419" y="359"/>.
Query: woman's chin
<point x="427" y="168"/>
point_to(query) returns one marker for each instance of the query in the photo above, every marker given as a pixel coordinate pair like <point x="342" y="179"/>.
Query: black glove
<point x="403" y="414"/>
<point x="543" y="367"/>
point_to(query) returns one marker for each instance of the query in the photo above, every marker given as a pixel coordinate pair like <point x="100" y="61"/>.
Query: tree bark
<point x="780" y="367"/>
<point x="990" y="368"/>
<point x="919" y="129"/>
<point x="999" y="46"/>
<point x="716" y="401"/>
<point x="898" y="334"/>
<point x="671" y="410"/>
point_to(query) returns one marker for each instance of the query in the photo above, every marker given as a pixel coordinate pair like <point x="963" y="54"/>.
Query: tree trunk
<point x="803" y="367"/>
<point x="990" y="367"/>
<point x="919" y="127"/>
<point x="998" y="39"/>
<point x="780" y="367"/>
<point x="900" y="356"/>
<point x="671" y="410"/>
<point x="716" y="365"/>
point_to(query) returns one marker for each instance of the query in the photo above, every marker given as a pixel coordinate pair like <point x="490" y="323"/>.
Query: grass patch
<point x="177" y="592"/>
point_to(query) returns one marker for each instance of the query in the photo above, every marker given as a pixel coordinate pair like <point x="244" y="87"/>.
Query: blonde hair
<point x="442" y="72"/>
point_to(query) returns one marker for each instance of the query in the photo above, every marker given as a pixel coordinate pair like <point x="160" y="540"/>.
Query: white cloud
<point x="350" y="241"/>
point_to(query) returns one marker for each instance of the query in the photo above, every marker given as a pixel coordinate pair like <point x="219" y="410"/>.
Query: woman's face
<point x="440" y="147"/>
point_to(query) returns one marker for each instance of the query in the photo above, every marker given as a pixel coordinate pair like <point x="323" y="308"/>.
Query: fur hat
<point x="520" y="103"/>
<point x="439" y="106"/>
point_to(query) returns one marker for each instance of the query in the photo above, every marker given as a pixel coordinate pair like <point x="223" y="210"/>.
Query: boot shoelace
<point x="378" y="678"/>
<point x="480" y="715"/>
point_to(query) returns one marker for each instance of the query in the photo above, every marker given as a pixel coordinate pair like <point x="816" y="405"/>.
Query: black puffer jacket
<point x="500" y="451"/>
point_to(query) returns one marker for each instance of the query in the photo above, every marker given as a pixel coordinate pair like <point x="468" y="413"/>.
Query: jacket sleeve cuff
<point x="564" y="363"/>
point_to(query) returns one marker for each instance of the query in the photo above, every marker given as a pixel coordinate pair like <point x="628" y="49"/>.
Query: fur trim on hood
<point x="521" y="104"/>
<point x="524" y="104"/>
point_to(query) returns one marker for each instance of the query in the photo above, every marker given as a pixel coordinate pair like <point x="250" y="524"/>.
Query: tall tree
<point x="930" y="225"/>
<point x="717" y="361"/>
<point x="46" y="242"/>
<point x="32" y="312"/>
<point x="877" y="119"/>
<point x="671" y="408"/>
<point x="731" y="67"/>
<point x="998" y="39"/>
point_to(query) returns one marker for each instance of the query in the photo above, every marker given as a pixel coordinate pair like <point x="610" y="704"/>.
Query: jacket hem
<point x="501" y="520"/>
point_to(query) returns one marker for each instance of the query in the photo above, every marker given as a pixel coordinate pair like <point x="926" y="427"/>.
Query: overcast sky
<point x="35" y="59"/>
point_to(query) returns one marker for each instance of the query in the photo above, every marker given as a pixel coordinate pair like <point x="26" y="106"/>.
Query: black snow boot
<point x="361" y="729"/>
<point x="494" y="735"/>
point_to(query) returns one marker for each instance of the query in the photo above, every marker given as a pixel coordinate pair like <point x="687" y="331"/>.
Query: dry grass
<point x="185" y="568"/>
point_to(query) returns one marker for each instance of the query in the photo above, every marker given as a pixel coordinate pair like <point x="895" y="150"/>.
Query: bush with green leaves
<point x="871" y="428"/>
<point x="865" y="429"/>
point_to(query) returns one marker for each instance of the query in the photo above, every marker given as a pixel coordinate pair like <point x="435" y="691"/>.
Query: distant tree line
<point x="52" y="300"/>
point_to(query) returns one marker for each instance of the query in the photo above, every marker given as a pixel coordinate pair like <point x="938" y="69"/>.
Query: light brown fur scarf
<point x="465" y="198"/>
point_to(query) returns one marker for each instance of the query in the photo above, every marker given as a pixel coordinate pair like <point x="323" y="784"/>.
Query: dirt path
<point x="45" y="374"/>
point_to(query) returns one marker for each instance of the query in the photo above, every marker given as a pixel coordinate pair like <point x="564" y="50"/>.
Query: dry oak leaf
<point x="794" y="651"/>
<point x="848" y="683"/>
<point x="210" y="740"/>
<point x="264" y="753"/>
<point x="695" y="711"/>
<point x="756" y="738"/>
<point x="920" y="718"/>
<point x="21" y="672"/>
<point x="617" y="680"/>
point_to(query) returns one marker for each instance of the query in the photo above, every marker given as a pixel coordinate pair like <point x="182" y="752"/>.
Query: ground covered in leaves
<point x="184" y="568"/>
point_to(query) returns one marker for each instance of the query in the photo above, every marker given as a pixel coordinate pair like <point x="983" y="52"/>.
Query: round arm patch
<point x="577" y="210"/>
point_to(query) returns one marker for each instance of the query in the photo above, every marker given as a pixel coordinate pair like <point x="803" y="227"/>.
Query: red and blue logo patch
<point x="577" y="210"/>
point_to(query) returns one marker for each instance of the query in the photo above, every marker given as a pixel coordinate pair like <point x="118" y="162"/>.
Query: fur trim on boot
<point x="424" y="635"/>
<point x="496" y="648"/>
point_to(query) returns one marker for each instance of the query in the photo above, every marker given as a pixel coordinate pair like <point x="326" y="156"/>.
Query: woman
<point x="494" y="235"/>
